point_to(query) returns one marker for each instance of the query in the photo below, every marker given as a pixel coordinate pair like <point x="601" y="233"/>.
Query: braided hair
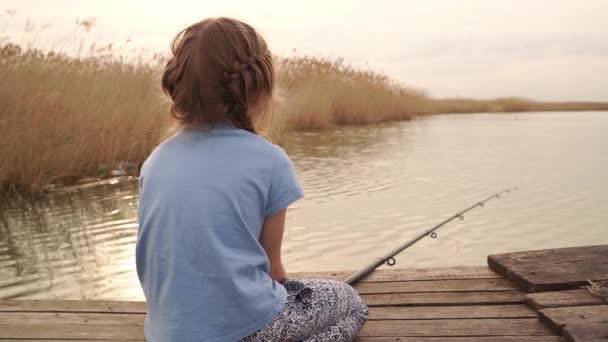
<point x="219" y="68"/>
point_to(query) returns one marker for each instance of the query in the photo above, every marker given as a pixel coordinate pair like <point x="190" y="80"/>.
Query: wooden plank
<point x="586" y="332"/>
<point x="462" y="339"/>
<point x="72" y="306"/>
<point x="451" y="285"/>
<point x="54" y="340"/>
<point x="557" y="318"/>
<point x="76" y="331"/>
<point x="407" y="274"/>
<point x="444" y="298"/>
<point x="553" y="269"/>
<point x="68" y="318"/>
<point x="387" y="339"/>
<point x="557" y="299"/>
<point x="456" y="327"/>
<point x="49" y="340"/>
<point x="454" y="312"/>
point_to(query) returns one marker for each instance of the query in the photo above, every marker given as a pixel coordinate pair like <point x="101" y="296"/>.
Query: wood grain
<point x="407" y="274"/>
<point x="76" y="331"/>
<point x="451" y="285"/>
<point x="463" y="339"/>
<point x="456" y="327"/>
<point x="553" y="269"/>
<point x="444" y="298"/>
<point x="586" y="332"/>
<point x="557" y="318"/>
<point x="72" y="306"/>
<point x="71" y="340"/>
<point x="446" y="304"/>
<point x="454" y="312"/>
<point x="556" y="299"/>
<point x="70" y="318"/>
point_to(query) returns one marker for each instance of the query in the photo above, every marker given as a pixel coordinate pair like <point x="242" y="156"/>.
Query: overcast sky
<point x="543" y="49"/>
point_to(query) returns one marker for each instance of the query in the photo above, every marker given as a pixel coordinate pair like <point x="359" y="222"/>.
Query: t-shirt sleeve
<point x="284" y="186"/>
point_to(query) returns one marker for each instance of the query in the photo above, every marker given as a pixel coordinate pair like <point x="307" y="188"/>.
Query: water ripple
<point x="367" y="190"/>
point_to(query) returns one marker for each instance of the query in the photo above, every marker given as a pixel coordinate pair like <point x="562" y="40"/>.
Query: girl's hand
<point x="277" y="272"/>
<point x="271" y="239"/>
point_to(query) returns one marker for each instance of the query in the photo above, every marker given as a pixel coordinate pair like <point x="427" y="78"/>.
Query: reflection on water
<point x="72" y="244"/>
<point x="367" y="189"/>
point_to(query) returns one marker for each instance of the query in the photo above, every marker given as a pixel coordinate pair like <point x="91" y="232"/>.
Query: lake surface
<point x="367" y="189"/>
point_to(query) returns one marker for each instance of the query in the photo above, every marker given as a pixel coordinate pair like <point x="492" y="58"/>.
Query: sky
<point x="542" y="49"/>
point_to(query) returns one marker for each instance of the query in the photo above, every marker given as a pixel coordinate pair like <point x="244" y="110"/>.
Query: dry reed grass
<point x="510" y="105"/>
<point x="321" y="93"/>
<point x="61" y="117"/>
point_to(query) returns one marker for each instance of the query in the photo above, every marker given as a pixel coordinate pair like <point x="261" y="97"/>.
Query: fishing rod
<point x="389" y="258"/>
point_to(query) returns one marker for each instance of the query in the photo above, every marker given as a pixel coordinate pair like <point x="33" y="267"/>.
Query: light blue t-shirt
<point x="203" y="199"/>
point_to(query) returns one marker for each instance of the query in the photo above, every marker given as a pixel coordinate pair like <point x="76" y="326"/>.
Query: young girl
<point x="213" y="199"/>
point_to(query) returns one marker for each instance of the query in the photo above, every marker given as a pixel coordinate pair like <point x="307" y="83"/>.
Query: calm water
<point x="367" y="189"/>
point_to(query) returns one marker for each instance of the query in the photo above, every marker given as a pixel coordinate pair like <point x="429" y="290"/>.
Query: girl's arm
<point x="271" y="239"/>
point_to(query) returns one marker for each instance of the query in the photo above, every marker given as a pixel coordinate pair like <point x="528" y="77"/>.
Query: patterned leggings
<point x="316" y="311"/>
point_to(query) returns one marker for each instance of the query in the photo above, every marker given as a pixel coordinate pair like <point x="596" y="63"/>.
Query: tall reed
<point x="64" y="118"/>
<point x="61" y="118"/>
<point x="321" y="93"/>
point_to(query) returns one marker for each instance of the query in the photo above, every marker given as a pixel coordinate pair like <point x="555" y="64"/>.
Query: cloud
<point x="468" y="47"/>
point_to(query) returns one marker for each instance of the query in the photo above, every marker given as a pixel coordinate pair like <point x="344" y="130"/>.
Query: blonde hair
<point x="219" y="68"/>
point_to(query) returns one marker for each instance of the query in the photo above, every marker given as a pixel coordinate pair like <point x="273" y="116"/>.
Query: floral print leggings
<point x="316" y="311"/>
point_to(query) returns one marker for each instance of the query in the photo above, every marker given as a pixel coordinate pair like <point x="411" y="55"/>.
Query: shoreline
<point x="117" y="174"/>
<point x="113" y="175"/>
<point x="65" y="119"/>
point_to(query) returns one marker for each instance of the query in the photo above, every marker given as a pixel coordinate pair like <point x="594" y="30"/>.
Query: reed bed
<point x="63" y="118"/>
<point x="509" y="105"/>
<point x="318" y="93"/>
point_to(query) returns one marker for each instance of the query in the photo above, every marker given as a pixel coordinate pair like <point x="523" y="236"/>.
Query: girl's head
<point x="220" y="71"/>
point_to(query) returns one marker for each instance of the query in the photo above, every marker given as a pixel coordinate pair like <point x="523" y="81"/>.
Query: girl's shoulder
<point x="228" y="144"/>
<point x="262" y="144"/>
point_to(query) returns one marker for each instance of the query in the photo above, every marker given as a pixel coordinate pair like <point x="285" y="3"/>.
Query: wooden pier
<point x="440" y="304"/>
